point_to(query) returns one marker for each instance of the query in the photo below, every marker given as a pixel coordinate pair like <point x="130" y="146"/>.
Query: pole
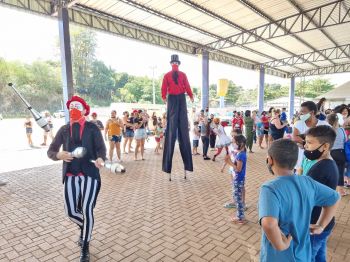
<point x="153" y="86"/>
<point x="291" y="98"/>
<point x="261" y="89"/>
<point x="66" y="56"/>
<point x="205" y="79"/>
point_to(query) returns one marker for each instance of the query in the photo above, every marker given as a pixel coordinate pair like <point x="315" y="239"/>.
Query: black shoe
<point x="206" y="158"/>
<point x="85" y="254"/>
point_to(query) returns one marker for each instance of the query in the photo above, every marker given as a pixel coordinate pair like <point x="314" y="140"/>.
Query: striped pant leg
<point x="89" y="192"/>
<point x="71" y="194"/>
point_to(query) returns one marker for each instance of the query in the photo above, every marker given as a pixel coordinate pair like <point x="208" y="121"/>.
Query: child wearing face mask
<point x="319" y="142"/>
<point x="238" y="171"/>
<point x="286" y="229"/>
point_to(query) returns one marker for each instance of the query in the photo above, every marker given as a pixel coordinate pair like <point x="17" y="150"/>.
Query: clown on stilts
<point x="81" y="177"/>
<point x="174" y="87"/>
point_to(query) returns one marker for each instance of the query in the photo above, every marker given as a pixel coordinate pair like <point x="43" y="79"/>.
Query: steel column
<point x="291" y="98"/>
<point x="222" y="101"/>
<point x="261" y="89"/>
<point x="66" y="57"/>
<point x="205" y="79"/>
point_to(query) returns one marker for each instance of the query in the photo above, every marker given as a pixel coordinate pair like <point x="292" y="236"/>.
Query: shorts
<point x="195" y="143"/>
<point x="266" y="132"/>
<point x="140" y="134"/>
<point x="115" y="139"/>
<point x="29" y="130"/>
<point x="157" y="139"/>
<point x="129" y="133"/>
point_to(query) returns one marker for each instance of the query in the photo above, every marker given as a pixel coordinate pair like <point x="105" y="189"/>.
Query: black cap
<point x="175" y="59"/>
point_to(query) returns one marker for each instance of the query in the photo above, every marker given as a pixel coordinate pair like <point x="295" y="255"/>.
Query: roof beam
<point x="285" y="26"/>
<point x="337" y="52"/>
<point x="98" y="20"/>
<point x="325" y="16"/>
<point x="236" y="26"/>
<point x="187" y="25"/>
<point x="298" y="7"/>
<point x="56" y="4"/>
<point x="340" y="68"/>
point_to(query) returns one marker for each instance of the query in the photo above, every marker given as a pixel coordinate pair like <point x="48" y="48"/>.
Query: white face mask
<point x="305" y="117"/>
<point x="235" y="146"/>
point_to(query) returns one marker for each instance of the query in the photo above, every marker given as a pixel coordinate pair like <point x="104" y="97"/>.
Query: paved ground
<point x="141" y="216"/>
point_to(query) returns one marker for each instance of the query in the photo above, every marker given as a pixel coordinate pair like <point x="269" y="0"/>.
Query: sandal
<point x="229" y="205"/>
<point x="236" y="220"/>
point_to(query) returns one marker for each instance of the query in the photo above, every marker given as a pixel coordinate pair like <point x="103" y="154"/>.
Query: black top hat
<point x="175" y="59"/>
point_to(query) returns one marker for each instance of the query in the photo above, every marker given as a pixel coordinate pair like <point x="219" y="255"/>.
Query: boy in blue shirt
<point x="283" y="116"/>
<point x="285" y="206"/>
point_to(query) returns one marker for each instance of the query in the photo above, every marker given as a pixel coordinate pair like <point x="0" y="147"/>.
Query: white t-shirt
<point x="303" y="128"/>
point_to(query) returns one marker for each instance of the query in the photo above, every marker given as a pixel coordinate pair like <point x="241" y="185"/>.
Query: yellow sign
<point x="222" y="87"/>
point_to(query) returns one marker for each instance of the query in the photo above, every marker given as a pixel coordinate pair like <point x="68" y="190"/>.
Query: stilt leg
<point x="185" y="177"/>
<point x="169" y="176"/>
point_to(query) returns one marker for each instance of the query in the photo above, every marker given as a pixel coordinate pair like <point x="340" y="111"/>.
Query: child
<point x="231" y="150"/>
<point x="319" y="142"/>
<point x="283" y="116"/>
<point x="238" y="174"/>
<point x="29" y="130"/>
<point x="223" y="140"/>
<point x="306" y="164"/>
<point x="157" y="135"/>
<point x="196" y="136"/>
<point x="286" y="230"/>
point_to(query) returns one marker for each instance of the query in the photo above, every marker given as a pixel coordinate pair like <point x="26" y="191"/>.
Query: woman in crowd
<point x="277" y="128"/>
<point x="321" y="107"/>
<point x="128" y="122"/>
<point x="249" y="129"/>
<point x="265" y="122"/>
<point x="345" y="112"/>
<point x="140" y="133"/>
<point x="337" y="152"/>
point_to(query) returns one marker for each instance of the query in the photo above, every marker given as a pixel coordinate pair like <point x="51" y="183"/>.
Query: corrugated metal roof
<point x="194" y="23"/>
<point x="260" y="31"/>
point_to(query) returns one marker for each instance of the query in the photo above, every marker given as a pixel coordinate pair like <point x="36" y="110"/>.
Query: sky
<point x="31" y="37"/>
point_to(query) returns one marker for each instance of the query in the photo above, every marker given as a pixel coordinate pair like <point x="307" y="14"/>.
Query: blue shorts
<point x="115" y="139"/>
<point x="129" y="133"/>
<point x="195" y="143"/>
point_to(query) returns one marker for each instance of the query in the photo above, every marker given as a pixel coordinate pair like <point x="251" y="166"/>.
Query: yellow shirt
<point x="114" y="129"/>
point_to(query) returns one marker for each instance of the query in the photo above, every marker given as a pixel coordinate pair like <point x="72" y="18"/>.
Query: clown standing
<point x="81" y="178"/>
<point x="174" y="87"/>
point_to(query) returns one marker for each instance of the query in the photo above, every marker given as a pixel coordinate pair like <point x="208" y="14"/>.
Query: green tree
<point x="313" y="88"/>
<point x="83" y="44"/>
<point x="101" y="83"/>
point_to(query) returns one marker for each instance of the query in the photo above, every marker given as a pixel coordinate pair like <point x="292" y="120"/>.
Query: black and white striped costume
<point x="81" y="178"/>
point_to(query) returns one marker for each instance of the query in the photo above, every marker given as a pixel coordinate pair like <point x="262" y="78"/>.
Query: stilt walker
<point x="81" y="177"/>
<point x="174" y="87"/>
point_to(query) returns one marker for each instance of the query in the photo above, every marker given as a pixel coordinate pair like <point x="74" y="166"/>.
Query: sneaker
<point x="206" y="158"/>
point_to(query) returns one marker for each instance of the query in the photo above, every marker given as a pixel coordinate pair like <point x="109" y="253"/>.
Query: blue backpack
<point x="347" y="149"/>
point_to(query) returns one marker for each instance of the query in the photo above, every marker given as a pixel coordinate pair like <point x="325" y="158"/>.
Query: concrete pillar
<point x="205" y="79"/>
<point x="261" y="89"/>
<point x="291" y="97"/>
<point x="66" y="57"/>
<point x="222" y="101"/>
